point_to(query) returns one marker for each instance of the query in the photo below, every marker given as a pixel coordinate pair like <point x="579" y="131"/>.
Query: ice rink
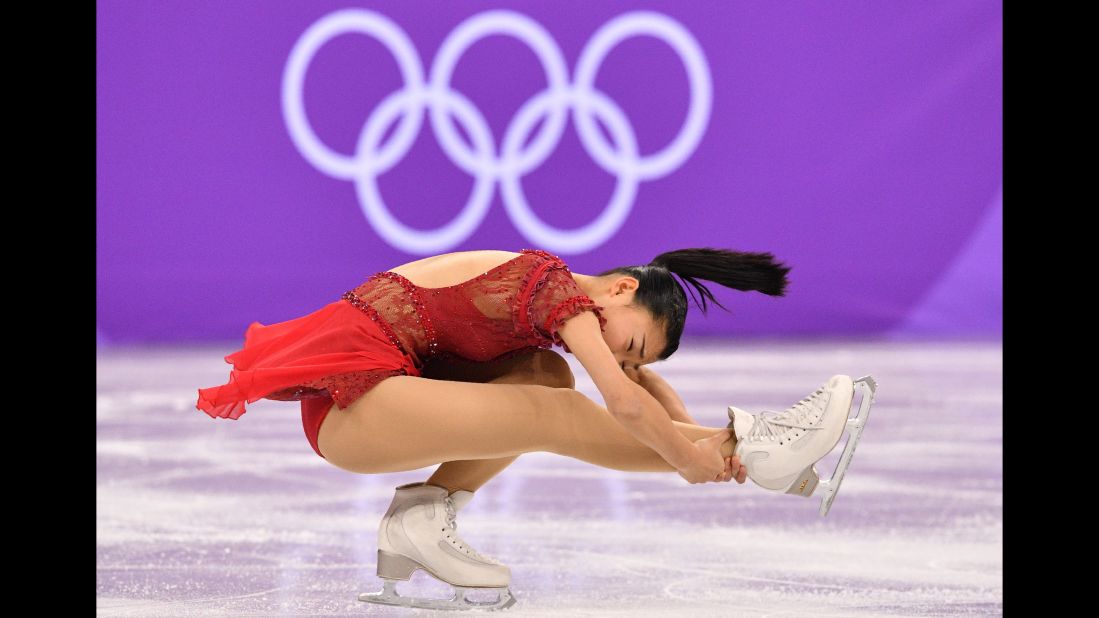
<point x="213" y="517"/>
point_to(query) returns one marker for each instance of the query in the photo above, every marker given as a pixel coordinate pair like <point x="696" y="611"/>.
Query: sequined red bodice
<point x="512" y="308"/>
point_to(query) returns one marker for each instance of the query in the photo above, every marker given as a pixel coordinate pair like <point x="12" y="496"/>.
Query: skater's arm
<point x="663" y="392"/>
<point x="629" y="403"/>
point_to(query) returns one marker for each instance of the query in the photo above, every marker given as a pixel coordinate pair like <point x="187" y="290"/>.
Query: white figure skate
<point x="780" y="449"/>
<point x="419" y="532"/>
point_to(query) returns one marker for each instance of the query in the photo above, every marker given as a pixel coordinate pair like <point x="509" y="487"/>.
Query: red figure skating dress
<point x="388" y="326"/>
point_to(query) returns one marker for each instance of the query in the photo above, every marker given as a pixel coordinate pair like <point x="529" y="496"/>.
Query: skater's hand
<point x="739" y="471"/>
<point x="710" y="466"/>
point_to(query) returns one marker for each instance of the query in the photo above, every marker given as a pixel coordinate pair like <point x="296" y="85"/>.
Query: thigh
<point x="409" y="422"/>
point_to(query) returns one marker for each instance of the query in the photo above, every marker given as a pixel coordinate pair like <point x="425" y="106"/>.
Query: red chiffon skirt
<point x="332" y="355"/>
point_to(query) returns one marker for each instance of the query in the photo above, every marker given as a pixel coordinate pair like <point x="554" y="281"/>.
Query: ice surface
<point x="204" y="517"/>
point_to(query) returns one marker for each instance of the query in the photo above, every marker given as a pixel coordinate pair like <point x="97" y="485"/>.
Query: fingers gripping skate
<point x="855" y="425"/>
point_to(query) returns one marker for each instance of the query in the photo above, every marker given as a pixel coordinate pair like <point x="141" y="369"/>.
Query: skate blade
<point x="855" y="425"/>
<point x="389" y="596"/>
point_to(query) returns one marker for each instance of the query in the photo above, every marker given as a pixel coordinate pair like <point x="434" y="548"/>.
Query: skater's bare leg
<point x="471" y="475"/>
<point x="409" y="422"/>
<point x="543" y="367"/>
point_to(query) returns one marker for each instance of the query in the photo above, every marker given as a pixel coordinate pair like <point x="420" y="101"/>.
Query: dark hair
<point x="665" y="298"/>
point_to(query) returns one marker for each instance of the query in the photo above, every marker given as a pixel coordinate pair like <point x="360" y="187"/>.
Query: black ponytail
<point x="665" y="298"/>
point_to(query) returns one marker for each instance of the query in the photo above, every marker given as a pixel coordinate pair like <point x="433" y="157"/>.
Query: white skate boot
<point x="779" y="449"/>
<point x="419" y="532"/>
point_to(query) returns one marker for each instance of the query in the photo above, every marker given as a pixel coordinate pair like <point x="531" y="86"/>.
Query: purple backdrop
<point x="859" y="141"/>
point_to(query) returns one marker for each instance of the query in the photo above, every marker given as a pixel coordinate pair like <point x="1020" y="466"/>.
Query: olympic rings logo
<point x="518" y="155"/>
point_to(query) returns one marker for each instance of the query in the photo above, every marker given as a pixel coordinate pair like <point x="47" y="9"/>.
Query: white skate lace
<point x="453" y="525"/>
<point x="794" y="417"/>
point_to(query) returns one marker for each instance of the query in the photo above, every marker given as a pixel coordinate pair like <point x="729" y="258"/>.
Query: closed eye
<point x="641" y="354"/>
<point x="623" y="364"/>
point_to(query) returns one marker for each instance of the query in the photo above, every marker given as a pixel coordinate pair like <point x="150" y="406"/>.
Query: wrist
<point x="685" y="454"/>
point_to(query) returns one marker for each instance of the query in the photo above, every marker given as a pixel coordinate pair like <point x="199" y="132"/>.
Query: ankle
<point x="449" y="490"/>
<point x="728" y="447"/>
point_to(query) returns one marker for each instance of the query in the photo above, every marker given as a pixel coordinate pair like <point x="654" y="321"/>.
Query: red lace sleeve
<point x="556" y="298"/>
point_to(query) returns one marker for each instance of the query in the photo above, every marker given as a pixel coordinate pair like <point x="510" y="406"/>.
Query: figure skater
<point x="447" y="360"/>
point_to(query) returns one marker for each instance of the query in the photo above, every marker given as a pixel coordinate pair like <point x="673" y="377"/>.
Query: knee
<point x="552" y="369"/>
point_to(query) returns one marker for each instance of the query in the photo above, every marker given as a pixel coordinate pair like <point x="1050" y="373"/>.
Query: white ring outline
<point x="513" y="162"/>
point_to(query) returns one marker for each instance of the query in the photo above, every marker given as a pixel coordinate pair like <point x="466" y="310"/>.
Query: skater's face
<point x="631" y="333"/>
